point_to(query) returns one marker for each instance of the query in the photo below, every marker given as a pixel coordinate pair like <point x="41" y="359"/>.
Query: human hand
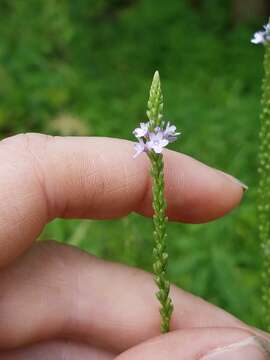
<point x="51" y="292"/>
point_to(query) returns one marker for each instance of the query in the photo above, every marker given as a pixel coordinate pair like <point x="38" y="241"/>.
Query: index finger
<point x="43" y="177"/>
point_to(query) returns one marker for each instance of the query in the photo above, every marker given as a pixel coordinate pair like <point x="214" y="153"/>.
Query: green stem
<point x="160" y="255"/>
<point x="264" y="186"/>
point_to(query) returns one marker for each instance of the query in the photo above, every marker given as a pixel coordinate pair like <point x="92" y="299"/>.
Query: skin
<point x="57" y="302"/>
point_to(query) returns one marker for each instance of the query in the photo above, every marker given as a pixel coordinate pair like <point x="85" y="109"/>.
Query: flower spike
<point x="153" y="137"/>
<point x="264" y="179"/>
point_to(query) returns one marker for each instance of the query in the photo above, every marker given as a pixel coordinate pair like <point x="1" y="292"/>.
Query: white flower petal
<point x="142" y="130"/>
<point x="260" y="37"/>
<point x="157" y="149"/>
<point x="164" y="142"/>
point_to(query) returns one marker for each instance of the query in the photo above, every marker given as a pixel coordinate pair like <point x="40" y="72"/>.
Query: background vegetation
<point x="84" y="68"/>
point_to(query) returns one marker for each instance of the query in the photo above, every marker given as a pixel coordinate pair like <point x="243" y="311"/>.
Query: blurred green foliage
<point x="91" y="63"/>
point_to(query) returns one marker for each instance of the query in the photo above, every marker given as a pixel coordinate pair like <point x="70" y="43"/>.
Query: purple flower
<point x="262" y="37"/>
<point x="157" y="142"/>
<point x="267" y="28"/>
<point x="153" y="141"/>
<point x="259" y="38"/>
<point x="139" y="147"/>
<point x="142" y="131"/>
<point x="169" y="133"/>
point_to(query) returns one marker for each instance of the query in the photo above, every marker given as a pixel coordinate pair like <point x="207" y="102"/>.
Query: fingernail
<point x="234" y="180"/>
<point x="251" y="348"/>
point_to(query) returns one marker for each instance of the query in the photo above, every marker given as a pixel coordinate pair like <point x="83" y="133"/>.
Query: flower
<point x="259" y="38"/>
<point x="267" y="28"/>
<point x="142" y="131"/>
<point x="139" y="147"/>
<point x="169" y="133"/>
<point x="262" y="37"/>
<point x="154" y="140"/>
<point x="157" y="142"/>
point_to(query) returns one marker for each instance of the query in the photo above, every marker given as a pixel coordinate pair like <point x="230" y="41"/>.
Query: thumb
<point x="202" y="344"/>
